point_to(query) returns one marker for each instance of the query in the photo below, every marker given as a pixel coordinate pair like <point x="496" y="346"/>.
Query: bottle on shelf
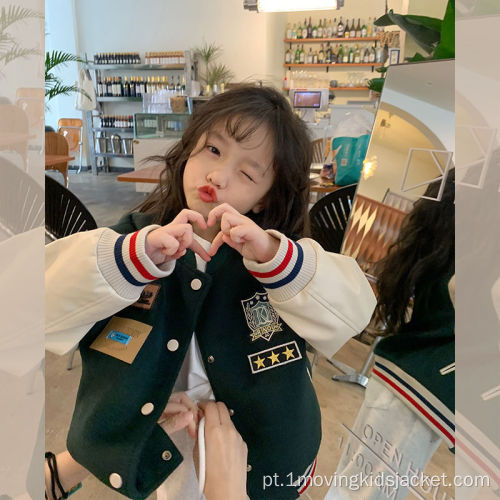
<point x="369" y="27"/>
<point x="178" y="86"/>
<point x="288" y="33"/>
<point x="109" y="88"/>
<point x="288" y="55"/>
<point x="183" y="85"/>
<point x="352" y="33"/>
<point x="302" y="55"/>
<point x="351" y="55"/>
<point x="300" y="31"/>
<point x="347" y="30"/>
<point x="328" y="32"/>
<point x="321" y="55"/>
<point x="340" y="28"/>
<point x="315" y="57"/>
<point x="363" y="30"/>
<point x="294" y="32"/>
<point x="379" y="53"/>
<point x="357" y="55"/>
<point x="99" y="83"/>
<point x="126" y="87"/>
<point x="309" y="29"/>
<point x="373" y="54"/>
<point x="309" y="57"/>
<point x="358" y="29"/>
<point x="334" y="28"/>
<point x="328" y="54"/>
<point x="334" y="58"/>
<point x="385" y="53"/>
<point x="297" y="54"/>
<point x="366" y="56"/>
<point x="132" y="87"/>
<point x="318" y="30"/>
<point x="340" y="54"/>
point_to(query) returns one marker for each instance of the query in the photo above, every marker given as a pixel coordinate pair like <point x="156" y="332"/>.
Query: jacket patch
<point x="274" y="357"/>
<point x="261" y="317"/>
<point x="147" y="297"/>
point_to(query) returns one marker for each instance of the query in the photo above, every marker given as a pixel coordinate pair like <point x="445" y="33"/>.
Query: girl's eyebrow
<point x="218" y="136"/>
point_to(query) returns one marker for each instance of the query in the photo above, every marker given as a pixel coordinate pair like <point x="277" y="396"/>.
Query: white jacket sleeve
<point x="90" y="276"/>
<point x="324" y="297"/>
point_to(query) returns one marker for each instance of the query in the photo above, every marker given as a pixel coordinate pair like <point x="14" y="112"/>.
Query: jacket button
<point x="147" y="408"/>
<point x="211" y="359"/>
<point x="196" y="284"/>
<point x="172" y="345"/>
<point x="249" y="468"/>
<point x="115" y="480"/>
<point x="231" y="412"/>
<point x="166" y="455"/>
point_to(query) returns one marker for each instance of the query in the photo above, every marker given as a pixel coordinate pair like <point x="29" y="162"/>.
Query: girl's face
<point x="221" y="170"/>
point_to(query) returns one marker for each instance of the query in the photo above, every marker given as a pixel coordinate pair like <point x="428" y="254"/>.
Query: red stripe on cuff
<point x="278" y="269"/>
<point x="311" y="475"/>
<point x="135" y="260"/>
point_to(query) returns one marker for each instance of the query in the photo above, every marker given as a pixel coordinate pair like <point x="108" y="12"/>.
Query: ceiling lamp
<point x="290" y="5"/>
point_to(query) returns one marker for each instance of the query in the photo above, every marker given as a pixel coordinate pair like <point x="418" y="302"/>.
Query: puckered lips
<point x="207" y="194"/>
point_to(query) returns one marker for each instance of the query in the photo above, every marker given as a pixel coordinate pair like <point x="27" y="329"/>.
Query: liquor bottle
<point x="178" y="86"/>
<point x="294" y="31"/>
<point x="287" y="56"/>
<point x="183" y="85"/>
<point x="347" y="31"/>
<point x="373" y="54"/>
<point x="299" y="31"/>
<point x="358" y="29"/>
<point x="351" y="55"/>
<point x="340" y="54"/>
<point x="329" y="30"/>
<point x="321" y="55"/>
<point x="325" y="28"/>
<point x="366" y="56"/>
<point x="319" y="31"/>
<point x="328" y="57"/>
<point x="334" y="28"/>
<point x="379" y="53"/>
<point x="288" y="33"/>
<point x="120" y="86"/>
<point x="334" y="58"/>
<point x="314" y="33"/>
<point x="109" y="87"/>
<point x="132" y="87"/>
<point x="309" y="58"/>
<point x="138" y="87"/>
<point x="315" y="57"/>
<point x="363" y="30"/>
<point x="369" y="27"/>
<point x="99" y="83"/>
<point x="302" y="55"/>
<point x="149" y="86"/>
<point x="340" y="28"/>
<point x="357" y="55"/>
<point x="126" y="88"/>
<point x="352" y="34"/>
<point x="309" y="29"/>
<point x="297" y="55"/>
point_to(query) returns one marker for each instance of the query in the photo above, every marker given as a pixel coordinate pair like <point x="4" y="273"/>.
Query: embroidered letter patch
<point x="274" y="357"/>
<point x="261" y="317"/>
<point x="147" y="297"/>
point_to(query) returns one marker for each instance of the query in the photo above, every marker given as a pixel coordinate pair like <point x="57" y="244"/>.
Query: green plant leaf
<point x="420" y="28"/>
<point x="207" y="52"/>
<point x="381" y="69"/>
<point x="376" y="84"/>
<point x="418" y="57"/>
<point x="218" y="73"/>
<point x="446" y="46"/>
<point x="55" y="58"/>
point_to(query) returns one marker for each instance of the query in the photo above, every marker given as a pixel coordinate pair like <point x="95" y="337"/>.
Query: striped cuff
<point x="123" y="261"/>
<point x="288" y="273"/>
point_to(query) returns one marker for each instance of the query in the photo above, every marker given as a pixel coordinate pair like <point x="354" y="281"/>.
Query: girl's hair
<point x="421" y="256"/>
<point x="242" y="111"/>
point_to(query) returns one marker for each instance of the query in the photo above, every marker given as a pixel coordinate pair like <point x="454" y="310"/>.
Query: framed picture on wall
<point x="394" y="55"/>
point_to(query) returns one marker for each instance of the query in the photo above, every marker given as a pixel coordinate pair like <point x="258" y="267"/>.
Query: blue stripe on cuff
<point x="121" y="264"/>
<point x="293" y="273"/>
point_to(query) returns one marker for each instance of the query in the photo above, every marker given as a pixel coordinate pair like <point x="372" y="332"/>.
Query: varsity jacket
<point x="417" y="364"/>
<point x="251" y="321"/>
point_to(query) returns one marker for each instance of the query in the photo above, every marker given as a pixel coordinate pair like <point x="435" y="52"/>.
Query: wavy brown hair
<point x="243" y="110"/>
<point x="422" y="255"/>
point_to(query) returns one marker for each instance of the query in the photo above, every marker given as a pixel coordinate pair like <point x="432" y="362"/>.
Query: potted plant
<point x="213" y="74"/>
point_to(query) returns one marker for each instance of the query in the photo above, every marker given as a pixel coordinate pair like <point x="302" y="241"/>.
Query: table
<point x="51" y="160"/>
<point x="151" y="175"/>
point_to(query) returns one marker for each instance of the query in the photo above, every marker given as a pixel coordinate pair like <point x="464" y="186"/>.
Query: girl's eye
<point x="247" y="176"/>
<point x="213" y="150"/>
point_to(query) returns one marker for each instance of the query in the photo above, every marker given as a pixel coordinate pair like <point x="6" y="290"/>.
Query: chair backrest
<point x="69" y="122"/>
<point x="318" y="151"/>
<point x="373" y="227"/>
<point x="21" y="200"/>
<point x="73" y="135"/>
<point x="397" y="201"/>
<point x="65" y="214"/>
<point x="56" y="144"/>
<point x="329" y="216"/>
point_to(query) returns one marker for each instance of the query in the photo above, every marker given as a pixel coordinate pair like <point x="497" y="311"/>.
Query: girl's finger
<point x="187" y="215"/>
<point x="218" y="211"/>
<point x="196" y="247"/>
<point x="237" y="246"/>
<point x="183" y="398"/>
<point x="211" y="413"/>
<point x="230" y="220"/>
<point x="217" y="242"/>
<point x="179" y="421"/>
<point x="224" y="416"/>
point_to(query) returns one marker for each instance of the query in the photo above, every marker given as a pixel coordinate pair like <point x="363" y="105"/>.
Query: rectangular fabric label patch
<point x="274" y="357"/>
<point x="122" y="338"/>
<point x="147" y="297"/>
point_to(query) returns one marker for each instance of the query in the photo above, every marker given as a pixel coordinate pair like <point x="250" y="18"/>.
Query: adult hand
<point x="170" y="242"/>
<point x="242" y="234"/>
<point x="181" y="411"/>
<point x="225" y="455"/>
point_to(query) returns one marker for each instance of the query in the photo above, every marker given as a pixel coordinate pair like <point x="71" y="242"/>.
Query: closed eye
<point x="247" y="176"/>
<point x="213" y="150"/>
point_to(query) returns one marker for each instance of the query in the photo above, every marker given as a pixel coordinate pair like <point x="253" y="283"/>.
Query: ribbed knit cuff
<point x="289" y="272"/>
<point x="123" y="261"/>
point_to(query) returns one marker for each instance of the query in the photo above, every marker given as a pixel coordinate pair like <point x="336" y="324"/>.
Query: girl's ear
<point x="259" y="207"/>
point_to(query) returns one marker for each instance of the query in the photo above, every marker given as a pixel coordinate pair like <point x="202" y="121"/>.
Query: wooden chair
<point x="318" y="151"/>
<point x="56" y="144"/>
<point x="72" y="130"/>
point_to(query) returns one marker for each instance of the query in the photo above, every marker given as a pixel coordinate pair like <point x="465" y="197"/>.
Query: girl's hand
<point x="181" y="411"/>
<point x="170" y="242"/>
<point x="226" y="455"/>
<point x="242" y="234"/>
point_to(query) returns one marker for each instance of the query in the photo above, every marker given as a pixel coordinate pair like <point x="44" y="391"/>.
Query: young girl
<point x="208" y="251"/>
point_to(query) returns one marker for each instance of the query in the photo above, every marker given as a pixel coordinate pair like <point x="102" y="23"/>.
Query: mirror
<point x="412" y="145"/>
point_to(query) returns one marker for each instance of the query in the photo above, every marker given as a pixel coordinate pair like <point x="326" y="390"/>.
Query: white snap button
<point x="249" y="468"/>
<point x="231" y="412"/>
<point x="166" y="455"/>
<point x="172" y="345"/>
<point x="115" y="480"/>
<point x="196" y="284"/>
<point x="211" y="359"/>
<point x="147" y="408"/>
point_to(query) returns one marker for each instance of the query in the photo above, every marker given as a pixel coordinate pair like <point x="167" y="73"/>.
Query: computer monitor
<point x="308" y="101"/>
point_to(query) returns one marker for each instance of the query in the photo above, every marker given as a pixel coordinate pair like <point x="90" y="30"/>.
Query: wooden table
<point x="151" y="175"/>
<point x="51" y="160"/>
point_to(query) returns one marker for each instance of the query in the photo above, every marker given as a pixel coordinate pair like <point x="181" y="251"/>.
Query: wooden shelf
<point x="338" y="88"/>
<point x="118" y="99"/>
<point x="135" y="66"/>
<point x="113" y="129"/>
<point x="114" y="155"/>
<point x="294" y="65"/>
<point x="322" y="40"/>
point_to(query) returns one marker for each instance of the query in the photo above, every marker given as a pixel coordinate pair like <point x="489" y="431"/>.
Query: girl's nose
<point x="217" y="178"/>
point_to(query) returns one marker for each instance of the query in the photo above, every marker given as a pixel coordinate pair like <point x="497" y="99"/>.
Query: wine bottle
<point x="379" y="53"/>
<point x="334" y="28"/>
<point x="99" y="84"/>
<point x="309" y="29"/>
<point x="372" y="54"/>
<point x="366" y="56"/>
<point x="358" y="29"/>
<point x="351" y="55"/>
<point x="302" y="55"/>
<point x="369" y="27"/>
<point x="287" y="56"/>
<point x="126" y="88"/>
<point x="319" y="31"/>
<point x="315" y="57"/>
<point x="340" y="28"/>
<point x="340" y="54"/>
<point x="288" y="33"/>
<point x="352" y="34"/>
<point x="321" y="55"/>
<point x="299" y="31"/>
<point x="328" y="57"/>
<point x="132" y="87"/>
<point x="363" y="30"/>
<point x="329" y="30"/>
<point x="309" y="58"/>
<point x="294" y="31"/>
<point x="347" y="31"/>
<point x="297" y="55"/>
<point x="357" y="55"/>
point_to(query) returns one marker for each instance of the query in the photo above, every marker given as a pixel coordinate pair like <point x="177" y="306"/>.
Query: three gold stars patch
<point x="274" y="357"/>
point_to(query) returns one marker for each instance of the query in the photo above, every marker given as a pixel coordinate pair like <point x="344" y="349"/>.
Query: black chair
<point x="65" y="214"/>
<point x="329" y="216"/>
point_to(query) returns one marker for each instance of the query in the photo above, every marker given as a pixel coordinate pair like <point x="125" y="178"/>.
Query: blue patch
<point x="119" y="337"/>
